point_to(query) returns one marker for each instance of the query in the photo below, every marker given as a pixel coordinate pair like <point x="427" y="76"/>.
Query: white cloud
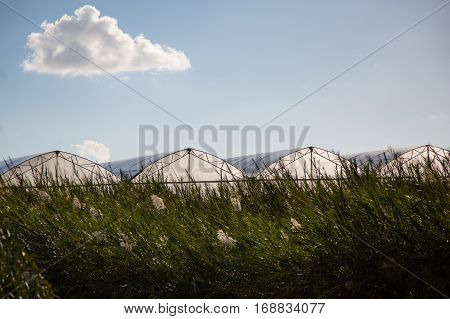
<point x="99" y="39"/>
<point x="93" y="150"/>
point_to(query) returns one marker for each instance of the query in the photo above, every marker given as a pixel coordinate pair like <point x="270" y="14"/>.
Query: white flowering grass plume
<point x="225" y="239"/>
<point x="95" y="213"/>
<point x="126" y="242"/>
<point x="158" y="202"/>
<point x="43" y="195"/>
<point x="77" y="204"/>
<point x="236" y="202"/>
<point x="295" y="224"/>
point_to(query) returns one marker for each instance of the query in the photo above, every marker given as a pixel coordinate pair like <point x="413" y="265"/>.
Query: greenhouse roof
<point x="62" y="164"/>
<point x="252" y="164"/>
<point x="7" y="164"/>
<point x="376" y="157"/>
<point x="132" y="166"/>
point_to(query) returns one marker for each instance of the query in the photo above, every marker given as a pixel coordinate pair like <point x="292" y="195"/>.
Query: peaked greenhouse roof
<point x="186" y="165"/>
<point x="55" y="166"/>
<point x="294" y="160"/>
<point x="422" y="157"/>
<point x="306" y="163"/>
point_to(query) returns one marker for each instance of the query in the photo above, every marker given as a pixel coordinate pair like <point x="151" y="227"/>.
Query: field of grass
<point x="358" y="237"/>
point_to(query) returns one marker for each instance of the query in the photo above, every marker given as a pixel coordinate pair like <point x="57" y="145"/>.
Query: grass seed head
<point x="158" y="202"/>
<point x="225" y="239"/>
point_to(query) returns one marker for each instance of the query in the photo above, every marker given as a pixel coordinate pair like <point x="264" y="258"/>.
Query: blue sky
<point x="248" y="62"/>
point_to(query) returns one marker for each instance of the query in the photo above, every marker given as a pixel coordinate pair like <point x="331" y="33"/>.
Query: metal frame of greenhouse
<point x="55" y="166"/>
<point x="190" y="165"/>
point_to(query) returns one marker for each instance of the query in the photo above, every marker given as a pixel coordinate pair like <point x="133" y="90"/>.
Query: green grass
<point x="118" y="245"/>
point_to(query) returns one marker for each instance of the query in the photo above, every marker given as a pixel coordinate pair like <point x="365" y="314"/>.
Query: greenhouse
<point x="304" y="163"/>
<point x="421" y="157"/>
<point x="252" y="165"/>
<point x="307" y="163"/>
<point x="129" y="168"/>
<point x="190" y="165"/>
<point x="53" y="167"/>
<point x="375" y="158"/>
<point x="185" y="166"/>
